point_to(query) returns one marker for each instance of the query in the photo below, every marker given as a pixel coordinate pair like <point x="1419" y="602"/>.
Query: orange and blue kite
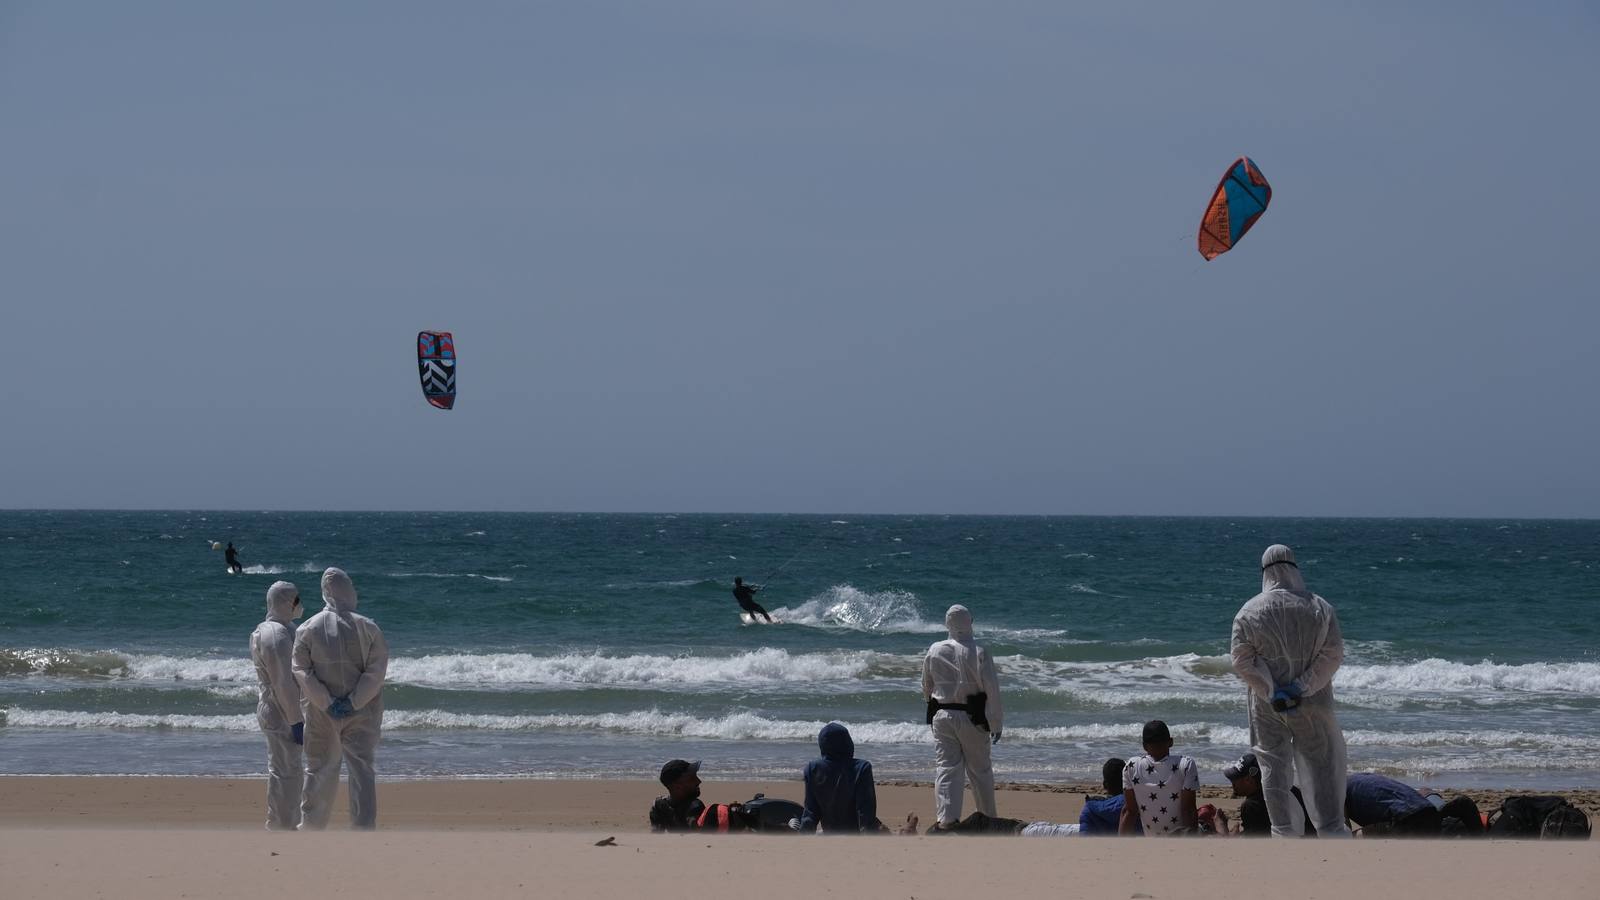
<point x="1241" y="197"/>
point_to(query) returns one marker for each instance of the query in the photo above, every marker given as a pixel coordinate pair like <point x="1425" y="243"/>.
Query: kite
<point x="436" y="360"/>
<point x="1241" y="197"/>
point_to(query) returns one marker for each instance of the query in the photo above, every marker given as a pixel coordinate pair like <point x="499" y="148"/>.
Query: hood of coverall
<point x="835" y="743"/>
<point x="338" y="591"/>
<point x="959" y="621"/>
<point x="1279" y="571"/>
<point x="280" y="601"/>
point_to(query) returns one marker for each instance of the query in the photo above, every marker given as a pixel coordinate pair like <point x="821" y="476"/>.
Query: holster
<point x="978" y="709"/>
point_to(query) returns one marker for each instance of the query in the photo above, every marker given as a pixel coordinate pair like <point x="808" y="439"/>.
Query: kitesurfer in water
<point x="746" y="595"/>
<point x="233" y="559"/>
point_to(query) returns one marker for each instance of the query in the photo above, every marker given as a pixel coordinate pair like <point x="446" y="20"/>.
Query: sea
<point x="600" y="645"/>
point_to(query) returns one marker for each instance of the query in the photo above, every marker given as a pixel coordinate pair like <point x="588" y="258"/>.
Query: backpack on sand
<point x="1539" y="816"/>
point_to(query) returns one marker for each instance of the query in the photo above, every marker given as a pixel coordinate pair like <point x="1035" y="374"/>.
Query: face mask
<point x="296" y="611"/>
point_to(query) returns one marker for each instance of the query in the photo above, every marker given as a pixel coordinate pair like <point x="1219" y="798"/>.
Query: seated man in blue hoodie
<point x="840" y="795"/>
<point x="1101" y="815"/>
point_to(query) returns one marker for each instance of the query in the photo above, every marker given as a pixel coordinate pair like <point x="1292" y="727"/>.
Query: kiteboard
<point x="752" y="619"/>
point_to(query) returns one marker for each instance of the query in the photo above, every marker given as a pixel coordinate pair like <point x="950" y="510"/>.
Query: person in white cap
<point x="340" y="659"/>
<point x="964" y="709"/>
<point x="278" y="705"/>
<point x="1286" y="647"/>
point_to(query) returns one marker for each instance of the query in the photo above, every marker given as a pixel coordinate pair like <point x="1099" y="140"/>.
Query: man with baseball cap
<point x="1245" y="776"/>
<point x="681" y="808"/>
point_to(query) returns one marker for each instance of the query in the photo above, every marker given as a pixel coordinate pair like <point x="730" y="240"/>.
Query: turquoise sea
<point x="600" y="645"/>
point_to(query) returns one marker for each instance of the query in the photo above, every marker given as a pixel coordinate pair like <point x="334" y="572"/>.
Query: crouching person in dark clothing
<point x="681" y="809"/>
<point x="840" y="795"/>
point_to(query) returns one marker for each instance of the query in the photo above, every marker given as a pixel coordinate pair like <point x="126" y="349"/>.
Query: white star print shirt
<point x="1156" y="785"/>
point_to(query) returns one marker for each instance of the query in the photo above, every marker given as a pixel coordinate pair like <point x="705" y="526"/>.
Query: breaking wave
<point x="753" y="727"/>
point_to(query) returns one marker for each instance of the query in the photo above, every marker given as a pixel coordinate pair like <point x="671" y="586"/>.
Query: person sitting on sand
<point x="1245" y="776"/>
<point x="1102" y="815"/>
<point x="680" y="810"/>
<point x="840" y="795"/>
<point x="1158" y="788"/>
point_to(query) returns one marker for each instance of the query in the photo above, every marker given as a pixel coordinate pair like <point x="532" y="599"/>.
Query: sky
<point x="744" y="256"/>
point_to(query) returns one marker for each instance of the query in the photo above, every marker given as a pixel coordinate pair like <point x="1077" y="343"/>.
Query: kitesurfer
<point x="746" y="595"/>
<point x="233" y="559"/>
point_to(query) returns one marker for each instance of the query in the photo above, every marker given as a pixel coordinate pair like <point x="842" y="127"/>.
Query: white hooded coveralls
<point x="338" y="653"/>
<point x="952" y="670"/>
<point x="1287" y="636"/>
<point x="278" y="706"/>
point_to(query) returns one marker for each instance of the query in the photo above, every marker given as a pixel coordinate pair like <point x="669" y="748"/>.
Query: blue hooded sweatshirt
<point x="839" y="790"/>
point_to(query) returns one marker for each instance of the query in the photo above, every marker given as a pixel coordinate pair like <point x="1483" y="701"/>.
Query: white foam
<point x="58" y="718"/>
<point x="847" y="607"/>
<point x="1447" y="750"/>
<point x="188" y="668"/>
<point x="1438" y="676"/>
<point x="447" y="575"/>
<point x="282" y="570"/>
<point x="768" y="665"/>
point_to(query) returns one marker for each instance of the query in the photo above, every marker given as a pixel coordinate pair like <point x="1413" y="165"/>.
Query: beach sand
<point x="172" y="837"/>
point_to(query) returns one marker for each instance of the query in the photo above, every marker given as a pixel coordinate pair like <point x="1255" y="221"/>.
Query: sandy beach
<point x="171" y="837"/>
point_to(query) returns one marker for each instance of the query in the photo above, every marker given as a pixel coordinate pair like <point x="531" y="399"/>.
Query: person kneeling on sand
<point x="1158" y="788"/>
<point x="1384" y="806"/>
<point x="840" y="795"/>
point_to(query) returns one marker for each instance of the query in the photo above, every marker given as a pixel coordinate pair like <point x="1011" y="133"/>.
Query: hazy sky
<point x="810" y="257"/>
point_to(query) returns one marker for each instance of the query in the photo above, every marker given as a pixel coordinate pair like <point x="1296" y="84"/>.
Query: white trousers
<point x="960" y="753"/>
<point x="1306" y="747"/>
<point x="286" y="774"/>
<point x="355" y="741"/>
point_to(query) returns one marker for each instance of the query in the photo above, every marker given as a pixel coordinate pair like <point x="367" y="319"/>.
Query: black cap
<point x="1245" y="766"/>
<point x="1155" y="732"/>
<point x="675" y="769"/>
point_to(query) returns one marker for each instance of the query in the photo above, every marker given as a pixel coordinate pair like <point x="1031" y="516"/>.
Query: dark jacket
<point x="1254" y="821"/>
<point x="1371" y="799"/>
<point x="839" y="791"/>
<point x="668" y="816"/>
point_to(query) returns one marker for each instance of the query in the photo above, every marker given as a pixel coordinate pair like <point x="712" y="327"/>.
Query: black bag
<point x="1524" y="818"/>
<point x="1565" y="822"/>
<point x="769" y="814"/>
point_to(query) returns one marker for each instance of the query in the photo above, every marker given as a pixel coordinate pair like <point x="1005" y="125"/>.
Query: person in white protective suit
<point x="1286" y="647"/>
<point x="963" y="694"/>
<point x="340" y="659"/>
<point x="278" y="705"/>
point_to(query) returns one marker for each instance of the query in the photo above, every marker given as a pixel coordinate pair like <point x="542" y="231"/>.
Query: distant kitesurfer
<point x="746" y="595"/>
<point x="233" y="559"/>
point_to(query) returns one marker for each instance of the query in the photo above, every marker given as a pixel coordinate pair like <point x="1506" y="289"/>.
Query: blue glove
<point x="341" y="708"/>
<point x="299" y="730"/>
<point x="1285" y="699"/>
